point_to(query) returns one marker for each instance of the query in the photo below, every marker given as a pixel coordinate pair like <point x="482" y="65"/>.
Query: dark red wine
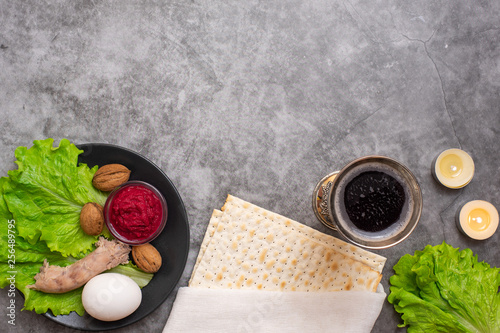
<point x="374" y="200"/>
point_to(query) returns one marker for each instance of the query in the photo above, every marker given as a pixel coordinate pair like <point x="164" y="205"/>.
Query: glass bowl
<point x="135" y="212"/>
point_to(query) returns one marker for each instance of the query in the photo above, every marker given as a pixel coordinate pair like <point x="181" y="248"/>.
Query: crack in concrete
<point x="353" y="12"/>
<point x="356" y="124"/>
<point x="440" y="81"/>
<point x="365" y="28"/>
<point x="486" y="30"/>
<point x="441" y="213"/>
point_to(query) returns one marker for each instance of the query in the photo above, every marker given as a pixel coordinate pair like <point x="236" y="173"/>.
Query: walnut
<point x="92" y="218"/>
<point x="109" y="176"/>
<point x="147" y="257"/>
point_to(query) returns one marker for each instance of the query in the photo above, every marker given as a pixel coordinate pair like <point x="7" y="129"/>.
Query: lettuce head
<point x="443" y="289"/>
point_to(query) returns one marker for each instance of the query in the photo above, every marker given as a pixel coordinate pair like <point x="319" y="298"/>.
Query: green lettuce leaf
<point x="140" y="277"/>
<point x="20" y="261"/>
<point x="443" y="289"/>
<point x="47" y="192"/>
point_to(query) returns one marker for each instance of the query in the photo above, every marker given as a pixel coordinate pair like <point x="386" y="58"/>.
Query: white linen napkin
<point x="235" y="311"/>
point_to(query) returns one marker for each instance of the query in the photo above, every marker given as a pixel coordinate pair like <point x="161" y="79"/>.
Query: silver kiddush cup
<point x="353" y="202"/>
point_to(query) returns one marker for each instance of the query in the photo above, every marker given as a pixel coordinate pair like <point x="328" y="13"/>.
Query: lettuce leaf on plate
<point x="20" y="261"/>
<point x="47" y="193"/>
<point x="40" y="205"/>
<point x="443" y="289"/>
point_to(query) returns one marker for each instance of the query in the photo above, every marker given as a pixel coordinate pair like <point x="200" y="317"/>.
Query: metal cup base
<point x="321" y="195"/>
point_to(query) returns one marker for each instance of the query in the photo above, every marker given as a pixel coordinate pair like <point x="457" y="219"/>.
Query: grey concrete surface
<point x="260" y="99"/>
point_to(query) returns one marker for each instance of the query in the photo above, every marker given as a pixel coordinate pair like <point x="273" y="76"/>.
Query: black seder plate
<point x="172" y="243"/>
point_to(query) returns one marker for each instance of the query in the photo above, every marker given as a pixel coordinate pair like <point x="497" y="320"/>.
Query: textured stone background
<point x="261" y="99"/>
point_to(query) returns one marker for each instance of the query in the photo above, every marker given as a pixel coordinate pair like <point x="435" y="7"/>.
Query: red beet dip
<point x="135" y="212"/>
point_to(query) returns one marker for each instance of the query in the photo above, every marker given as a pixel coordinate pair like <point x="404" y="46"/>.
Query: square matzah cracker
<point x="252" y="248"/>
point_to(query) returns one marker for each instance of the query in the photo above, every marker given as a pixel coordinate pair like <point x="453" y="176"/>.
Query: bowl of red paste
<point x="135" y="212"/>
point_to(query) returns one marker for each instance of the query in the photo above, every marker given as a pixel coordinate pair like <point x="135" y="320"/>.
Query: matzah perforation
<point x="251" y="248"/>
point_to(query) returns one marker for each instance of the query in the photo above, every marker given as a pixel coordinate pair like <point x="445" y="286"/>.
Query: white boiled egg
<point x="111" y="296"/>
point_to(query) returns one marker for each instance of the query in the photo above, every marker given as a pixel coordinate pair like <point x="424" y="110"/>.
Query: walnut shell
<point x="92" y="218"/>
<point x="147" y="258"/>
<point x="110" y="176"/>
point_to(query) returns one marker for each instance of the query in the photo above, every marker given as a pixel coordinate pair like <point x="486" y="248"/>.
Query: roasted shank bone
<point x="56" y="279"/>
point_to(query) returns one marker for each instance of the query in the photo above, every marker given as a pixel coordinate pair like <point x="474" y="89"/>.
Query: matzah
<point x="212" y="226"/>
<point x="248" y="247"/>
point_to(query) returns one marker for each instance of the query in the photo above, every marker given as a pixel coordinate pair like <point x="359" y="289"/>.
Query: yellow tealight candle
<point x="478" y="219"/>
<point x="453" y="168"/>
